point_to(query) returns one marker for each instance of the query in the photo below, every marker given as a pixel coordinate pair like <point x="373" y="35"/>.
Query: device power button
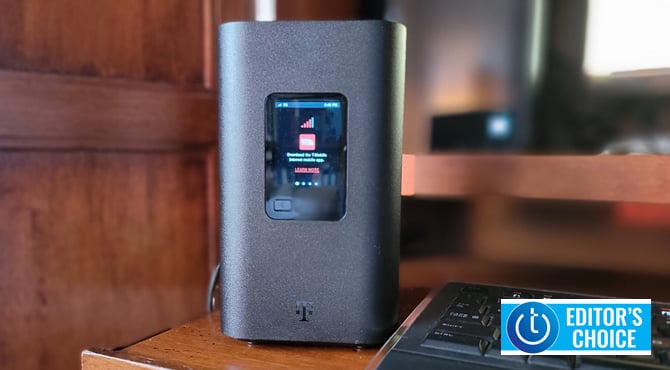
<point x="282" y="205"/>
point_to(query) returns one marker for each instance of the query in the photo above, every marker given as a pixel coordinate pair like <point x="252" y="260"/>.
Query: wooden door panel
<point x="97" y="249"/>
<point x="150" y="40"/>
<point x="108" y="188"/>
<point x="47" y="111"/>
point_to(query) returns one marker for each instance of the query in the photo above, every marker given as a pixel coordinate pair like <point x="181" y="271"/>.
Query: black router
<point x="311" y="137"/>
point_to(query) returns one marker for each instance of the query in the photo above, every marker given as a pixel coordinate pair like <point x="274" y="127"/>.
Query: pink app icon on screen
<point x="307" y="142"/>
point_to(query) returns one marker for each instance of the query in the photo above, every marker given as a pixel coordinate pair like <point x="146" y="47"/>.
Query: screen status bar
<point x="307" y="104"/>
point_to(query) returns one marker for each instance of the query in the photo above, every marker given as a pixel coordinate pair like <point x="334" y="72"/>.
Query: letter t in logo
<point x="533" y="315"/>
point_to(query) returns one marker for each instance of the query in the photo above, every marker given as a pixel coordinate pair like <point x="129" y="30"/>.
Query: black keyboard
<point x="459" y="328"/>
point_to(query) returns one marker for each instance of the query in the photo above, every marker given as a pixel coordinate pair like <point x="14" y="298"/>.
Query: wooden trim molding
<point x="54" y="111"/>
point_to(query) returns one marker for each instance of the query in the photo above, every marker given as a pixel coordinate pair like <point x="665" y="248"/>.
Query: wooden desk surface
<point x="201" y="345"/>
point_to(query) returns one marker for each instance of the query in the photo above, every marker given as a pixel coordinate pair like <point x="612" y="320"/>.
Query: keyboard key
<point x="496" y="333"/>
<point x="468" y="303"/>
<point x="495" y="319"/>
<point x="663" y="343"/>
<point x="618" y="361"/>
<point x="655" y="332"/>
<point x="467" y="329"/>
<point x="440" y="339"/>
<point x="460" y="316"/>
<point x="597" y="362"/>
<point x="475" y="289"/>
<point x="474" y="298"/>
<point x="662" y="325"/>
<point x="652" y="359"/>
<point x="465" y="307"/>
<point x="494" y="316"/>
<point x="552" y="362"/>
<point x="494" y="355"/>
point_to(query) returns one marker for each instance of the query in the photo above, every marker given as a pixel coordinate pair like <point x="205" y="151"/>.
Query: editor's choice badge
<point x="576" y="326"/>
<point x="532" y="327"/>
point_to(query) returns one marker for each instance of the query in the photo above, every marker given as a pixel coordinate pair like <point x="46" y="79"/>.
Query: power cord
<point x="211" y="299"/>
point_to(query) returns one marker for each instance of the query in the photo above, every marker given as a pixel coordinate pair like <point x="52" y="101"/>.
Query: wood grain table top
<point x="200" y="344"/>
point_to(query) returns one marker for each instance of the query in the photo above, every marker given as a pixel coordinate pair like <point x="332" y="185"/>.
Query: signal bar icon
<point x="308" y="124"/>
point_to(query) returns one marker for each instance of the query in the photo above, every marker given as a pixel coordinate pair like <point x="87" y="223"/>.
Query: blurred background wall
<point x="576" y="76"/>
<point x="506" y="79"/>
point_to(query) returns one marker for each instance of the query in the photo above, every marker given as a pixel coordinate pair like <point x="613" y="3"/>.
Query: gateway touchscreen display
<point x="305" y="156"/>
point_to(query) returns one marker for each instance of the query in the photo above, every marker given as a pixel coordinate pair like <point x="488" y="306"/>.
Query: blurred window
<point x="627" y="37"/>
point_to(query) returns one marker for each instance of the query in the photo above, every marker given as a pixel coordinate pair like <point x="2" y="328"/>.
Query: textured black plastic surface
<point x="339" y="276"/>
